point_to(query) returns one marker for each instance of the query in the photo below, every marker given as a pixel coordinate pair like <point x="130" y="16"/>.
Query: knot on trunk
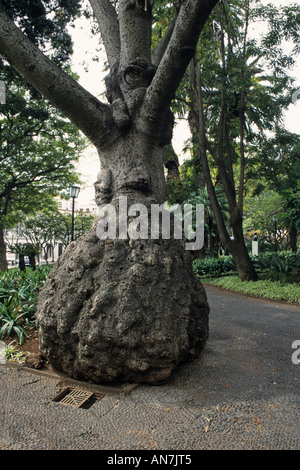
<point x="137" y="74"/>
<point x="125" y="89"/>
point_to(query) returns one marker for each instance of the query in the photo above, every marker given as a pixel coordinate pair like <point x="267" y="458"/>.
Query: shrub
<point x="283" y="266"/>
<point x="214" y="266"/>
<point x="18" y="296"/>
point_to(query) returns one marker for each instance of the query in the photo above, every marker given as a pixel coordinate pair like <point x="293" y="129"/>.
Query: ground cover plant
<point x="282" y="266"/>
<point x="19" y="291"/>
<point x="275" y="290"/>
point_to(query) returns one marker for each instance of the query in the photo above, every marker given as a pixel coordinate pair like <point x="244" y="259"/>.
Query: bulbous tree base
<point x="119" y="311"/>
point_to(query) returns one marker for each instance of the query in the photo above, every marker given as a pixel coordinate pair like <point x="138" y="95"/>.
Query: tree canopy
<point x="235" y="94"/>
<point x="38" y="151"/>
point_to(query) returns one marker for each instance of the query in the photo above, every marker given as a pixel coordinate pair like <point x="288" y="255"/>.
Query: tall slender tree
<point x="233" y="112"/>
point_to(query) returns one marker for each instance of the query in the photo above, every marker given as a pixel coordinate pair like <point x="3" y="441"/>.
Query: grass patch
<point x="267" y="289"/>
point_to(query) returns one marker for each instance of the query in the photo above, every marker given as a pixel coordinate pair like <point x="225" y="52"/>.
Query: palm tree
<point x="29" y="250"/>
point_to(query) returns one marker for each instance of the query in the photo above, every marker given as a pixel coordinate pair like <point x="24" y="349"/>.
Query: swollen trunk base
<point x="122" y="310"/>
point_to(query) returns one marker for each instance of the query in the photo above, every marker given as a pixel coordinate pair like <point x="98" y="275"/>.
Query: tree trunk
<point x="124" y="309"/>
<point x="22" y="262"/>
<point x="121" y="308"/>
<point x="293" y="235"/>
<point x="236" y="247"/>
<point x="243" y="263"/>
<point x="3" y="260"/>
<point x="32" y="261"/>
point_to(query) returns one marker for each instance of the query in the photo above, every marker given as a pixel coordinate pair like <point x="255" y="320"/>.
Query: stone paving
<point x="242" y="393"/>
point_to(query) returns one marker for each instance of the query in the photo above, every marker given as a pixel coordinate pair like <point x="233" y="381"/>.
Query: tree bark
<point x="108" y="22"/>
<point x="58" y="87"/>
<point x="32" y="261"/>
<point x="121" y="308"/>
<point x="293" y="236"/>
<point x="3" y="260"/>
<point x="22" y="262"/>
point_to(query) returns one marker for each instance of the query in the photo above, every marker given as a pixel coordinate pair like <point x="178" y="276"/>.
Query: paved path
<point x="242" y="393"/>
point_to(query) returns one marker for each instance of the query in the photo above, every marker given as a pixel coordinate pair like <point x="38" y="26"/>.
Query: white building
<point x="51" y="252"/>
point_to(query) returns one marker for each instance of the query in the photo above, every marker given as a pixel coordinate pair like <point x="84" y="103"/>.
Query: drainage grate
<point x="70" y="396"/>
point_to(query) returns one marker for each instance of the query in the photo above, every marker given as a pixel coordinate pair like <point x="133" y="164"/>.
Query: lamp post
<point x="74" y="191"/>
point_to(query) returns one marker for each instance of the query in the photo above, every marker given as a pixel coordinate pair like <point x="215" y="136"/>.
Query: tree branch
<point x="83" y="109"/>
<point x="163" y="44"/>
<point x="135" y="20"/>
<point x="107" y="19"/>
<point x="181" y="48"/>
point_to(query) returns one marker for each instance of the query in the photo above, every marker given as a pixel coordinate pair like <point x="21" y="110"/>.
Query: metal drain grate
<point x="70" y="396"/>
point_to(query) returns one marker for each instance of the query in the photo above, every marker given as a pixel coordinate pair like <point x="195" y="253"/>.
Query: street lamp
<point x="74" y="191"/>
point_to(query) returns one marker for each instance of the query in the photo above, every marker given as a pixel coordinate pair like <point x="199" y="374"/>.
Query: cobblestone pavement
<point x="242" y="393"/>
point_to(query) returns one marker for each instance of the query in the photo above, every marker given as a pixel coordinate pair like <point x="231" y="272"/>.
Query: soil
<point x="30" y="351"/>
<point x="29" y="345"/>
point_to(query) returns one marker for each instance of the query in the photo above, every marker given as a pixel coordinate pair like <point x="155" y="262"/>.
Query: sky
<point x="91" y="75"/>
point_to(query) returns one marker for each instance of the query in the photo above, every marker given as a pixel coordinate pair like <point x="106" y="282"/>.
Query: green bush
<point x="214" y="267"/>
<point x="18" y="296"/>
<point x="283" y="266"/>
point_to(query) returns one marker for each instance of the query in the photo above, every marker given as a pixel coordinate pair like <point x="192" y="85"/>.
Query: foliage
<point x="50" y="227"/>
<point x="38" y="150"/>
<point x="274" y="171"/>
<point x="214" y="267"/>
<point x="82" y="223"/>
<point x="275" y="290"/>
<point x="38" y="146"/>
<point x="211" y="238"/>
<point x="232" y="61"/>
<point x="24" y="250"/>
<point x="18" y="296"/>
<point x="27" y="249"/>
<point x="45" y="23"/>
<point x="283" y="266"/>
<point x="40" y="230"/>
<point x="13" y="354"/>
<point x="162" y="16"/>
<point x="235" y="95"/>
<point x="46" y="229"/>
<point x="259" y="212"/>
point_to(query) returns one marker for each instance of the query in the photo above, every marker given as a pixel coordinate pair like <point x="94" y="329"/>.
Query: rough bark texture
<point x="3" y="261"/>
<point x="122" y="310"/>
<point x="293" y="236"/>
